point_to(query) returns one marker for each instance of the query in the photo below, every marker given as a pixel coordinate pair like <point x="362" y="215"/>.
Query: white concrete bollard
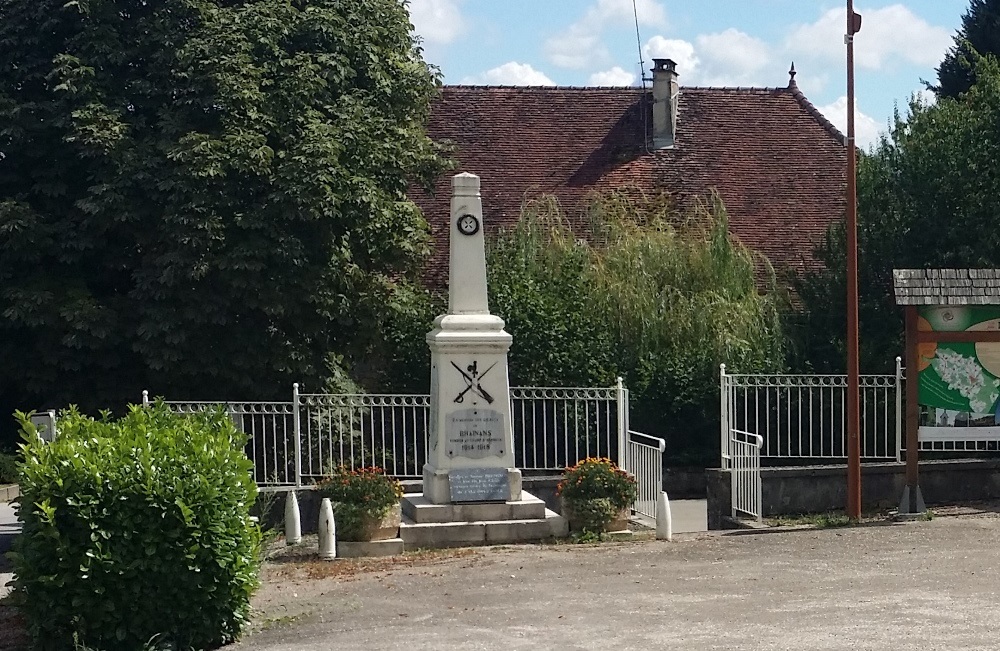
<point x="664" y="526"/>
<point x="327" y="531"/>
<point x="293" y="522"/>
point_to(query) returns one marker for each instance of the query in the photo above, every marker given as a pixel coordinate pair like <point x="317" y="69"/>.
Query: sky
<point x="714" y="42"/>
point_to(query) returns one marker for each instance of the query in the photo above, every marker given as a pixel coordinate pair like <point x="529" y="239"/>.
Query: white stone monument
<point x="470" y="454"/>
<point x="472" y="492"/>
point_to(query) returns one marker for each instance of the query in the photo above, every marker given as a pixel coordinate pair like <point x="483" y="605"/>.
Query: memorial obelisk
<point x="470" y="455"/>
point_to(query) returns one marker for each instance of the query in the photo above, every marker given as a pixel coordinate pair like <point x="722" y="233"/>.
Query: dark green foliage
<point x="8" y="468"/>
<point x="980" y="33"/>
<point x="928" y="197"/>
<point x="202" y="197"/>
<point x="661" y="300"/>
<point x="136" y="528"/>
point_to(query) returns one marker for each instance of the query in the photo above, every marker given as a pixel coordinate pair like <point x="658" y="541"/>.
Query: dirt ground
<point x="900" y="586"/>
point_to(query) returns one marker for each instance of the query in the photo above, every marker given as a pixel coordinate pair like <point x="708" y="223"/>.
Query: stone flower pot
<point x="618" y="523"/>
<point x="371" y="528"/>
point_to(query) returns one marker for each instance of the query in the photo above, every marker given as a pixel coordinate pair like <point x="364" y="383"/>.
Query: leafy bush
<point x="660" y="297"/>
<point x="8" y="468"/>
<point x="357" y="495"/>
<point x="596" y="490"/>
<point x="136" y="529"/>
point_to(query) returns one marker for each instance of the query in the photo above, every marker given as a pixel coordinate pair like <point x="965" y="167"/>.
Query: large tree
<point x="980" y="33"/>
<point x="202" y="197"/>
<point x="928" y="196"/>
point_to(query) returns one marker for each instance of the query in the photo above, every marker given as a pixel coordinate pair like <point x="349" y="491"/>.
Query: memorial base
<point x="429" y="525"/>
<point x="437" y="488"/>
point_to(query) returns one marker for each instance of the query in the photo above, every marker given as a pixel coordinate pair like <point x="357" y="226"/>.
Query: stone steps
<point x="493" y="532"/>
<point x="420" y="511"/>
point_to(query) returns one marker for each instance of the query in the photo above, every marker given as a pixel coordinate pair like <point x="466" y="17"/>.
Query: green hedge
<point x="8" y="468"/>
<point x="136" y="529"/>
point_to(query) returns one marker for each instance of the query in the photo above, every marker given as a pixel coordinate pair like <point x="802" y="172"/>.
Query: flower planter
<point x="618" y="523"/>
<point x="371" y="528"/>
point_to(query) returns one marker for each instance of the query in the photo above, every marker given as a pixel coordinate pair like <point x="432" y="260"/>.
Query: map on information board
<point x="960" y="377"/>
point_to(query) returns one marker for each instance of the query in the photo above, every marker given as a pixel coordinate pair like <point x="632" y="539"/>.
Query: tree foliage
<point x="980" y="33"/>
<point x="928" y="196"/>
<point x="202" y="197"/>
<point x="660" y="298"/>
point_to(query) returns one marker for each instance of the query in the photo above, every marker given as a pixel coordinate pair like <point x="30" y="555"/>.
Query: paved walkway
<point x="904" y="587"/>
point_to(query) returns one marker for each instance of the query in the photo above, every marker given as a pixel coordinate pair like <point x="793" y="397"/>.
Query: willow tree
<point x="202" y="197"/>
<point x="657" y="296"/>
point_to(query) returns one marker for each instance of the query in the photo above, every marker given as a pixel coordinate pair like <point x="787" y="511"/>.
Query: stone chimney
<point x="665" y="92"/>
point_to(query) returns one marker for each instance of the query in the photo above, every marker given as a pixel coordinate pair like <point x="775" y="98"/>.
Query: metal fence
<point x="644" y="459"/>
<point x="744" y="475"/>
<point x="556" y="427"/>
<point x="297" y="442"/>
<point x="270" y="430"/>
<point x="804" y="417"/>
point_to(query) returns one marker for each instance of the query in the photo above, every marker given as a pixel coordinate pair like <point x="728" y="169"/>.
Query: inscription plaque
<point x="474" y="433"/>
<point x="479" y="485"/>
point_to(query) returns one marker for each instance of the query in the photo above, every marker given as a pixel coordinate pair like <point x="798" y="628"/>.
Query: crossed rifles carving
<point x="472" y="382"/>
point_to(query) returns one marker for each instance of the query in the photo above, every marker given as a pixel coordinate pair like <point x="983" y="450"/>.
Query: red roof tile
<point x="777" y="163"/>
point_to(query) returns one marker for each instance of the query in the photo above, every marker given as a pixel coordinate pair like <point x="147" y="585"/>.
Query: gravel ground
<point x="900" y="586"/>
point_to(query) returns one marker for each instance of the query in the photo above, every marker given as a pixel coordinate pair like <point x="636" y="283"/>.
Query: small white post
<point x="145" y="398"/>
<point x="327" y="531"/>
<point x="293" y="523"/>
<point x="664" y="523"/>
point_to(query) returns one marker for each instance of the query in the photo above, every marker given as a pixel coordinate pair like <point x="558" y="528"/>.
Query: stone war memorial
<point x="472" y="492"/>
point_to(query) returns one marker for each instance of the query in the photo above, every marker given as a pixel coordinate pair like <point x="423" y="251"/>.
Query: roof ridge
<point x="815" y="112"/>
<point x="769" y="89"/>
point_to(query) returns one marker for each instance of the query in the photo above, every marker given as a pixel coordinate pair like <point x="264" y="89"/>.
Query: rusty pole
<point x="853" y="397"/>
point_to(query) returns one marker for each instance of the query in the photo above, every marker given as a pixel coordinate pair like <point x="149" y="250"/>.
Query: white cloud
<point x="511" y="73"/>
<point x="926" y="97"/>
<point x="437" y="21"/>
<point x="729" y="58"/>
<point x="887" y="35"/>
<point x="581" y="46"/>
<point x="614" y="77"/>
<point x="866" y="129"/>
<point x="680" y="51"/>
<point x="733" y="58"/>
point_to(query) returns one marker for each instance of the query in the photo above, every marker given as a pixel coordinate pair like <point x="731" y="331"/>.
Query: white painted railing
<point x="744" y="474"/>
<point x="803" y="417"/>
<point x="556" y="427"/>
<point x="297" y="442"/>
<point x="644" y="459"/>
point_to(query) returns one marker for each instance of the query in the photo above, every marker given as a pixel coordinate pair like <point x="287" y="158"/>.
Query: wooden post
<point x="912" y="501"/>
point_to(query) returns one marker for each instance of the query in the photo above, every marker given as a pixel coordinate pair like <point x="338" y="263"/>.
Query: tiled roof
<point x="777" y="163"/>
<point x="947" y="286"/>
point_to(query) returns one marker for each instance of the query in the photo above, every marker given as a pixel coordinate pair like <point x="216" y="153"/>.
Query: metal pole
<point x="853" y="396"/>
<point x="899" y="409"/>
<point x="723" y="419"/>
<point x="622" y="424"/>
<point x="297" y="424"/>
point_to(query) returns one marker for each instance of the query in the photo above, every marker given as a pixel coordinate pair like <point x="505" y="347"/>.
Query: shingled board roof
<point x="947" y="286"/>
<point x="776" y="162"/>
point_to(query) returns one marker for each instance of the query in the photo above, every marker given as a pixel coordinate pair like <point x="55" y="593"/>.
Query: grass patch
<point x="817" y="520"/>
